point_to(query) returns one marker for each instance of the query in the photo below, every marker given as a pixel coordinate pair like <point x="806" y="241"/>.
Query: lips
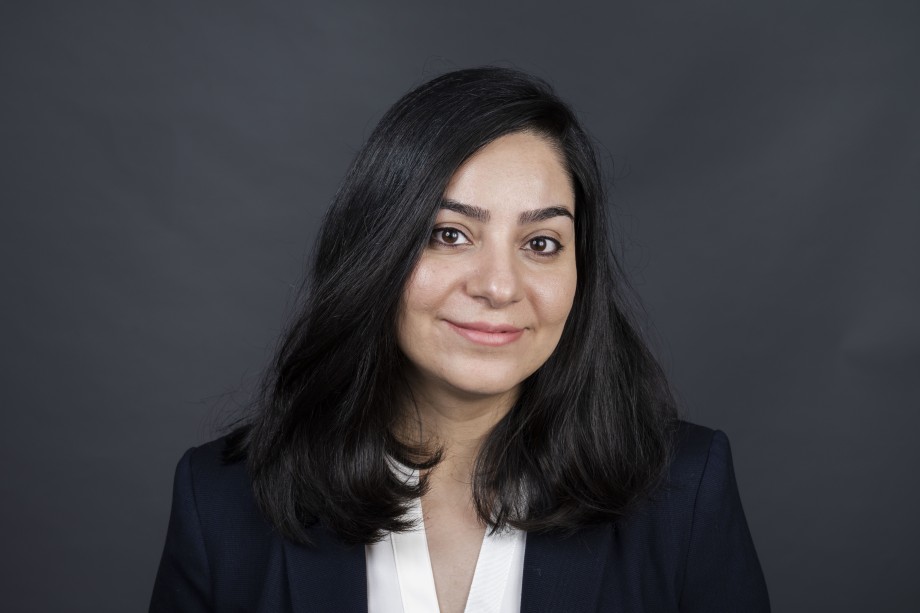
<point x="484" y="333"/>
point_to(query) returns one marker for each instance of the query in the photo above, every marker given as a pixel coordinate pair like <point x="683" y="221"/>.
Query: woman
<point x="463" y="416"/>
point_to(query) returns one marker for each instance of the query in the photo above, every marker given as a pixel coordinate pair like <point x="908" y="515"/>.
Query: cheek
<point x="421" y="290"/>
<point x="553" y="298"/>
<point x="426" y="288"/>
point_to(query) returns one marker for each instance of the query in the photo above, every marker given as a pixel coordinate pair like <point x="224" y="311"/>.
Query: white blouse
<point x="400" y="580"/>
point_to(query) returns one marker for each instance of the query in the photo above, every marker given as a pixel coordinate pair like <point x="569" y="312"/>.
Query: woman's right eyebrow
<point x="467" y="210"/>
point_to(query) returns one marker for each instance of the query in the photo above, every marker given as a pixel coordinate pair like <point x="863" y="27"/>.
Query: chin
<point x="489" y="381"/>
<point x="480" y="390"/>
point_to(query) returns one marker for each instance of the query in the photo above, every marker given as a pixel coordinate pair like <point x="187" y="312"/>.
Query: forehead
<point x="514" y="172"/>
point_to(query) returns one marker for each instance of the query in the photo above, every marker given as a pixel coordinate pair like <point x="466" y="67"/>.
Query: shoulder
<point x="721" y="570"/>
<point x="220" y="493"/>
<point x="215" y="532"/>
<point x="695" y="450"/>
<point x="699" y="464"/>
<point x="209" y="474"/>
<point x="692" y="529"/>
<point x="665" y="519"/>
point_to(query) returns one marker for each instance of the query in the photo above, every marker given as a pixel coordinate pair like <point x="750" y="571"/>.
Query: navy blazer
<point x="688" y="548"/>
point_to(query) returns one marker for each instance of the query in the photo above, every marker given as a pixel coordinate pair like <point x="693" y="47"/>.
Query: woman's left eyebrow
<point x="528" y="217"/>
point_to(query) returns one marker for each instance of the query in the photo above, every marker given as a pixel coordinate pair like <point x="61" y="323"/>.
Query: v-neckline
<point x="498" y="552"/>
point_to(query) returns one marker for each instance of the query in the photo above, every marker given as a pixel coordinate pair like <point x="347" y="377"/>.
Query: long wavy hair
<point x="589" y="433"/>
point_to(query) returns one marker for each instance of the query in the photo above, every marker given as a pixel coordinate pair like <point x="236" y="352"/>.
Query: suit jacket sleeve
<point x="183" y="580"/>
<point x="722" y="571"/>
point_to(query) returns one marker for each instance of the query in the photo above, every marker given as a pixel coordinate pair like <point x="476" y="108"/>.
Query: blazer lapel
<point x="564" y="573"/>
<point x="327" y="575"/>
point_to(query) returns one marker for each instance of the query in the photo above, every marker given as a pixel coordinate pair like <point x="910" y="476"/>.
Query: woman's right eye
<point x="449" y="237"/>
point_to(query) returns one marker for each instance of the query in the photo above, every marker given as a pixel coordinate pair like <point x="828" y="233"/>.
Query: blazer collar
<point x="564" y="573"/>
<point x="327" y="575"/>
<point x="561" y="573"/>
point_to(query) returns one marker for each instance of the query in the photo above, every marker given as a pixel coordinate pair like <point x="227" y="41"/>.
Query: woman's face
<point x="488" y="300"/>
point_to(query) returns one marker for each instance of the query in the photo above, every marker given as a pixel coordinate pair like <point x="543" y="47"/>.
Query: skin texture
<point x="493" y="270"/>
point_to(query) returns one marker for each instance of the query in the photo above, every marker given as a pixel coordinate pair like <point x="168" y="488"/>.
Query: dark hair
<point x="588" y="435"/>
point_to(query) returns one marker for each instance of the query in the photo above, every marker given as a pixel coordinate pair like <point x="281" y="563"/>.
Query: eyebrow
<point x="527" y="217"/>
<point x="549" y="212"/>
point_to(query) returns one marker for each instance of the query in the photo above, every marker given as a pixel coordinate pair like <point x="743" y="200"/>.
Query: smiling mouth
<point x="483" y="333"/>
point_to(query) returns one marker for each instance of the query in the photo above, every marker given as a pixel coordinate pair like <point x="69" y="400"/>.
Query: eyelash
<point x="441" y="243"/>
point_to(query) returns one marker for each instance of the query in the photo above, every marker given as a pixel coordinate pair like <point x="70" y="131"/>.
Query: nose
<point x="496" y="279"/>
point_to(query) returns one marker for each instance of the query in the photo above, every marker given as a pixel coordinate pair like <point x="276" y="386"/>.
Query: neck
<point x="455" y="422"/>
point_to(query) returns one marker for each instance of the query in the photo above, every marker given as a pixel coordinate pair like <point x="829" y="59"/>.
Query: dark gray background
<point x="165" y="166"/>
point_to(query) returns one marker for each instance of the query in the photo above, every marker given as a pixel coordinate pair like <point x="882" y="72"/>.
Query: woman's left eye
<point x="544" y="245"/>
